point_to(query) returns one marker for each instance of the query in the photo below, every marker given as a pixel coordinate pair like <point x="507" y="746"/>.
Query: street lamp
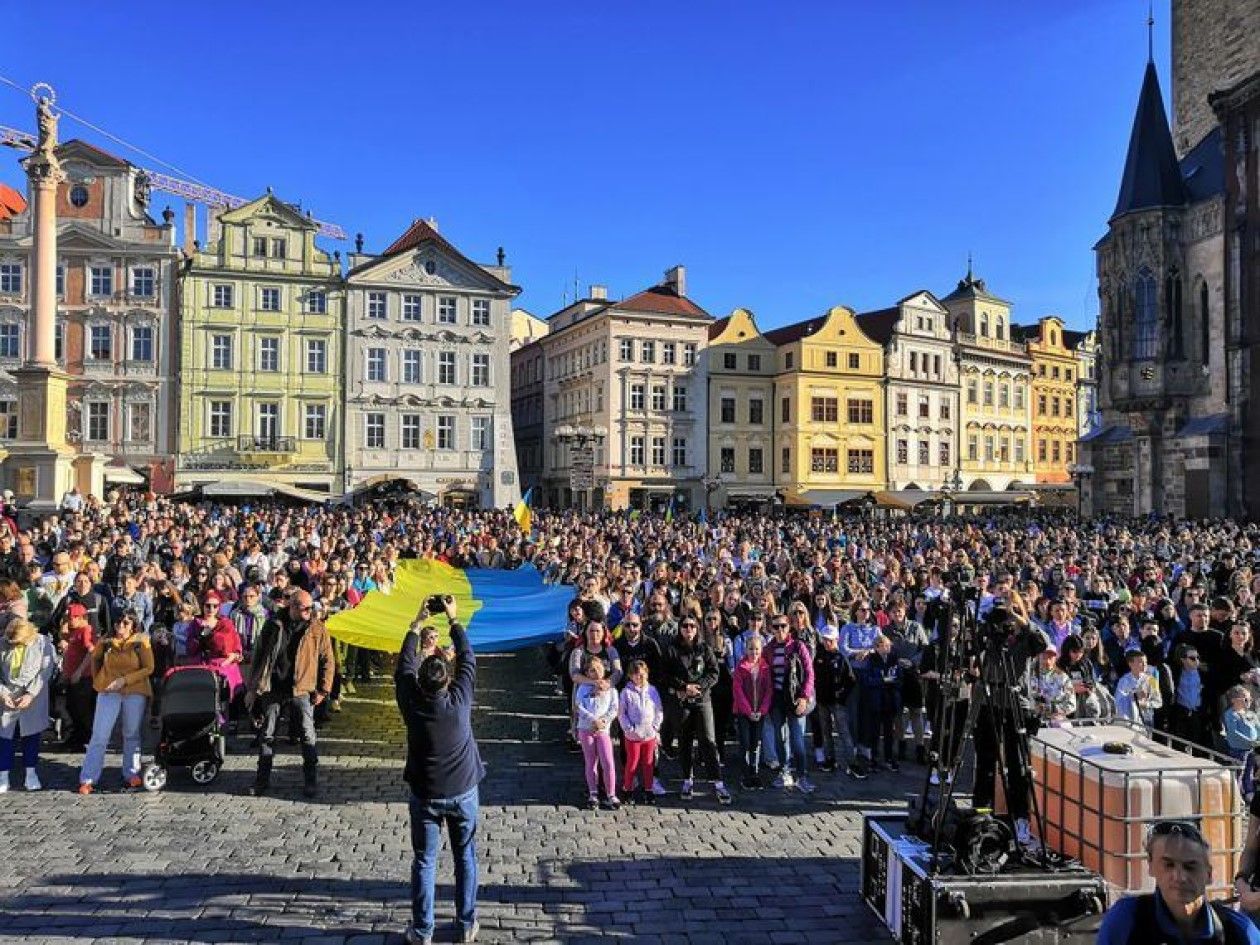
<point x="1079" y="473"/>
<point x="711" y="485"/>
<point x="578" y="439"/>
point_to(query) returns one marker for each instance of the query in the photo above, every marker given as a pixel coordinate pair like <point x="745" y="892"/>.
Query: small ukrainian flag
<point x="524" y="517"/>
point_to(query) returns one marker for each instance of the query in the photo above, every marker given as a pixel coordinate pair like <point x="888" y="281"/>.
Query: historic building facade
<point x="995" y="376"/>
<point x="830" y="426"/>
<point x="622" y="381"/>
<point x="1084" y="346"/>
<point x="261" y="355"/>
<point x="427" y="371"/>
<point x="740" y="366"/>
<point x="1055" y="426"/>
<point x="115" y="327"/>
<point x="921" y="393"/>
<point x="528" y="398"/>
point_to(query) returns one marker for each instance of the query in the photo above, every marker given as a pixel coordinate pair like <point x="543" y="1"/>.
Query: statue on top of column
<point x="47" y="120"/>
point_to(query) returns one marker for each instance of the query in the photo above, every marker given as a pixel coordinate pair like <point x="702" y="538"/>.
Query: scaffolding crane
<point x="176" y="186"/>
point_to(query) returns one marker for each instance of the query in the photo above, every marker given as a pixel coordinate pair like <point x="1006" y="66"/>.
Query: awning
<point x="1105" y="435"/>
<point x="1215" y="425"/>
<point x="906" y="498"/>
<point x="826" y="498"/>
<point x="985" y="497"/>
<point x="252" y="489"/>
<point x="124" y="474"/>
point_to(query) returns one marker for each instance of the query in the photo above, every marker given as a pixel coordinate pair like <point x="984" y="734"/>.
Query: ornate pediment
<point x="76" y="236"/>
<point x="429" y="267"/>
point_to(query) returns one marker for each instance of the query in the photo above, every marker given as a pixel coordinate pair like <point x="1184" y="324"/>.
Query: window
<point x="680" y="398"/>
<point x="936" y="365"/>
<point x="754" y="362"/>
<point x="638" y="394"/>
<point x="411" y="308"/>
<point x="316" y="356"/>
<point x="787" y="360"/>
<point x="824" y="409"/>
<point x="221" y="352"/>
<point x="143" y="282"/>
<point x="10" y="343"/>
<point x="943" y="452"/>
<point x="268" y="423"/>
<point x="11" y="278"/>
<point x="973" y="449"/>
<point x="988" y="448"/>
<point x="785" y="459"/>
<point x="832" y="359"/>
<point x="142" y="343"/>
<point x="861" y="411"/>
<point x="260" y="246"/>
<point x="988" y="393"/>
<point x="374" y="431"/>
<point x="279" y="247"/>
<point x="945" y="408"/>
<point x="1054" y="372"/>
<point x="755" y="462"/>
<point x="140" y="422"/>
<point x="376" y="305"/>
<point x="1019" y="396"/>
<point x="658" y="451"/>
<point x="61" y="280"/>
<point x="1004" y="450"/>
<point x="689" y="355"/>
<point x="637" y="454"/>
<point x="824" y="459"/>
<point x="727" y="459"/>
<point x="861" y="462"/>
<point x="658" y="397"/>
<point x="785" y="412"/>
<point x="269" y="354"/>
<point x="1068" y="447"/>
<point x="984" y="324"/>
<point x="446" y="310"/>
<point x="925" y="407"/>
<point x="1041" y="451"/>
<point x="729" y="362"/>
<point x="100" y="343"/>
<point x="756" y="411"/>
<point x="626" y="349"/>
<point x="1054" y="451"/>
<point x="98" y="421"/>
<point x="317" y="302"/>
<point x="222" y="296"/>
<point x="480" y="433"/>
<point x="102" y="281"/>
<point x="727" y="408"/>
<point x="410" y="431"/>
<point x="376" y="364"/>
<point x="669" y="352"/>
<point x="1019" y="450"/>
<point x="1041" y="405"/>
<point x="411" y="366"/>
<point x="680" y="451"/>
<point x="1067" y="406"/>
<point x="446" y="367"/>
<point x="481" y="370"/>
<point x="315" y="421"/>
<point x="1041" y="370"/>
<point x="903" y="404"/>
<point x="855" y="362"/>
<point x="446" y="432"/>
<point x="1004" y="395"/>
<point x="1067" y="374"/>
<point x="481" y="312"/>
<point x="914" y="362"/>
<point x="903" y="452"/>
<point x="999" y="331"/>
<point x="220" y="418"/>
<point x="1054" y="406"/>
<point x="647" y="352"/>
<point x="972" y="386"/>
<point x="925" y="452"/>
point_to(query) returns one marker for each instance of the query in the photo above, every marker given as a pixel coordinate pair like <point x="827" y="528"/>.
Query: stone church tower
<point x="1174" y="367"/>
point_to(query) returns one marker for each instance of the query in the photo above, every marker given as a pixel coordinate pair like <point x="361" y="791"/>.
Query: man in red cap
<point x="77" y="640"/>
<point x="293" y="667"/>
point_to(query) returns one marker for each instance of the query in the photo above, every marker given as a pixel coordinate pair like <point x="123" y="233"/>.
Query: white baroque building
<point x="427" y="372"/>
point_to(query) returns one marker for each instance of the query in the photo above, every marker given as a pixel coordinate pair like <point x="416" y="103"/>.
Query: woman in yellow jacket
<point x="121" y="667"/>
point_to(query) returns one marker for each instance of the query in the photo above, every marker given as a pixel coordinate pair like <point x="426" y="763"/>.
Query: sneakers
<point x="658" y="789"/>
<point x="856" y="769"/>
<point x="806" y="786"/>
<point x="1024" y="836"/>
<point x="723" y="795"/>
<point x="748" y="783"/>
<point x="133" y="783"/>
<point x="415" y="938"/>
<point x="611" y="803"/>
<point x="469" y="934"/>
<point x="819" y="756"/>
<point x="85" y="788"/>
<point x="826" y="765"/>
<point x="785" y="780"/>
<point x="686" y="791"/>
<point x="32" y="780"/>
<point x="648" y="799"/>
<point x="592" y="803"/>
<point x="758" y="783"/>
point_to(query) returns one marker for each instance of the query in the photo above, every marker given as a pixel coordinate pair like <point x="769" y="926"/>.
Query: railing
<point x="266" y="444"/>
<point x="984" y="341"/>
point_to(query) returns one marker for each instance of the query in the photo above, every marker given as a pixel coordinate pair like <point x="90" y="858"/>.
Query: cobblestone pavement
<point x="213" y="865"/>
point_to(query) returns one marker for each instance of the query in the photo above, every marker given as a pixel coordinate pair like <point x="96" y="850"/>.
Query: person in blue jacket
<point x="880" y="680"/>
<point x="443" y="770"/>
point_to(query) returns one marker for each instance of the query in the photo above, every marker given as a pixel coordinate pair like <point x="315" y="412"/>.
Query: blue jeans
<point x="30" y="751"/>
<point x="109" y="706"/>
<point x="781" y="718"/>
<point x="427" y="816"/>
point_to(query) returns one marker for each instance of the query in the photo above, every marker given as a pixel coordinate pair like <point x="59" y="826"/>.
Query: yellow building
<point x="1054" y="383"/>
<point x="741" y="365"/>
<point x="829" y="410"/>
<point x="260" y="372"/>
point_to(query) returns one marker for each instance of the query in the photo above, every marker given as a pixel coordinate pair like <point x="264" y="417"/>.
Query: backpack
<point x="1146" y="929"/>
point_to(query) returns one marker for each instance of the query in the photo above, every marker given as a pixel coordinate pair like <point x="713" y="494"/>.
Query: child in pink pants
<point x="641" y="716"/>
<point x="596" y="712"/>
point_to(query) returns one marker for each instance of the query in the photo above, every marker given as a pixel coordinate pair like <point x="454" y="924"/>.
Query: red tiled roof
<point x="878" y="326"/>
<point x="421" y="232"/>
<point x="11" y="202"/>
<point x="795" y="332"/>
<point x="718" y="327"/>
<point x="663" y="299"/>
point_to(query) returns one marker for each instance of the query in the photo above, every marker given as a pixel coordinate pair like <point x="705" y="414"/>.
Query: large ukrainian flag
<point x="502" y="610"/>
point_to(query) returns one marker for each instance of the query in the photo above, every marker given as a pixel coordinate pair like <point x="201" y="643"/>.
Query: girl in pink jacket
<point x="752" y="689"/>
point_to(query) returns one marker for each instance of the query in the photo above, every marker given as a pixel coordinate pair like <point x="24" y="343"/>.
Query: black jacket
<point x="442" y="756"/>
<point x="682" y="667"/>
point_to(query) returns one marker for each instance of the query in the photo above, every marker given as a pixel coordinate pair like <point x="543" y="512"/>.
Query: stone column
<point x="43" y="172"/>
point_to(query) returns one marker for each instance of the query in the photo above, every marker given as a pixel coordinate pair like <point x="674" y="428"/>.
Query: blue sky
<point x="793" y="155"/>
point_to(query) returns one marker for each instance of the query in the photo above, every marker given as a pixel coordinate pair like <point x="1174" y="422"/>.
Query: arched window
<point x="1205" y="325"/>
<point x="999" y="330"/>
<point x="984" y="324"/>
<point x="1145" y="317"/>
<point x="1172" y="305"/>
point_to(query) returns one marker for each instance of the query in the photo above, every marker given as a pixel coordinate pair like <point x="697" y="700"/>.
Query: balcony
<point x="266" y="444"/>
<point x="993" y="344"/>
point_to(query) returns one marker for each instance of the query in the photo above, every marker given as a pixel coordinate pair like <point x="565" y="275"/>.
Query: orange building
<point x="1054" y="384"/>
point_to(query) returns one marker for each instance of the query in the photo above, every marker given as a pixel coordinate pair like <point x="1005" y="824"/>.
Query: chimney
<point x="190" y="227"/>
<point x="598" y="292"/>
<point x="432" y="221"/>
<point x="676" y="279"/>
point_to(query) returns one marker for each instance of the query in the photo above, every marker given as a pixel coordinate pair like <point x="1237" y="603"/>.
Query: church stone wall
<point x="1215" y="43"/>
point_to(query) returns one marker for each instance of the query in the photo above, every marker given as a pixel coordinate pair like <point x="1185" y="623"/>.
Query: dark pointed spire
<point x="1152" y="177"/>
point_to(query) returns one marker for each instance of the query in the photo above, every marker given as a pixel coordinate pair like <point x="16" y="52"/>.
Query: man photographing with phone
<point x="443" y="769"/>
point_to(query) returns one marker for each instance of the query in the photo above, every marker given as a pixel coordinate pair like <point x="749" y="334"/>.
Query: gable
<point x="739" y="328"/>
<point x="924" y="299"/>
<point x="429" y="266"/>
<point x="268" y="208"/>
<point x="77" y="236"/>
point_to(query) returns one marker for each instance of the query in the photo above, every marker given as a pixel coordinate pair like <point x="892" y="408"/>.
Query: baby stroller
<point x="192" y="727"/>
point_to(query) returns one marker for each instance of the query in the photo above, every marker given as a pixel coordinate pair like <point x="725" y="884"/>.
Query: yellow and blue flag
<point x="502" y="610"/>
<point x="669" y="510"/>
<point x="524" y="517"/>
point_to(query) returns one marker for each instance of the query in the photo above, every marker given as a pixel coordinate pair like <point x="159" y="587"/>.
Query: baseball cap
<point x="76" y="610"/>
<point x="830" y="632"/>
